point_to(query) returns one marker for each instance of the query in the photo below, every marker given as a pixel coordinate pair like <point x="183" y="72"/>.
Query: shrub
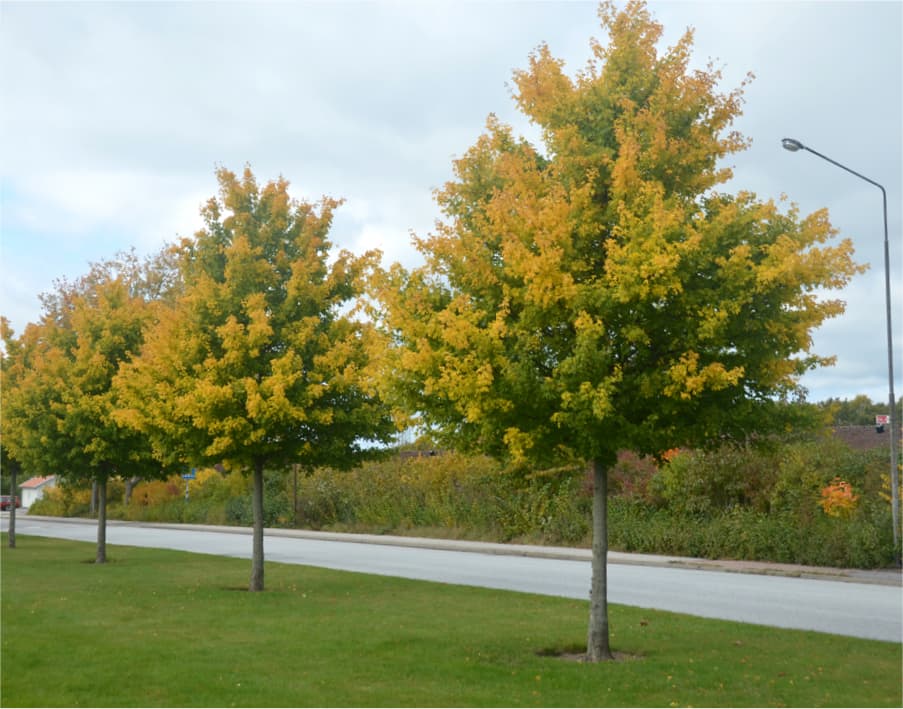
<point x="448" y="492"/>
<point x="740" y="502"/>
<point x="322" y="502"/>
<point x="697" y="482"/>
<point x="277" y="510"/>
<point x="152" y="493"/>
<point x="632" y="476"/>
<point x="63" y="501"/>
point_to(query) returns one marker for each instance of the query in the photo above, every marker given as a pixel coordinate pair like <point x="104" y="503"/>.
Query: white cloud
<point x="145" y="209"/>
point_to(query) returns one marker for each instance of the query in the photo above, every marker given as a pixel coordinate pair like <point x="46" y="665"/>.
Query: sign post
<point x="187" y="477"/>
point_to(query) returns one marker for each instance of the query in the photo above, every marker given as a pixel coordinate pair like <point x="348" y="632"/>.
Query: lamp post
<point x="793" y="146"/>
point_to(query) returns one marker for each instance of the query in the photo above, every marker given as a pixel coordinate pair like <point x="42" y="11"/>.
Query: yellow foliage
<point x="688" y="380"/>
<point x="154" y="492"/>
<point x="885" y="492"/>
<point x="519" y="444"/>
<point x="201" y="477"/>
<point x="63" y="500"/>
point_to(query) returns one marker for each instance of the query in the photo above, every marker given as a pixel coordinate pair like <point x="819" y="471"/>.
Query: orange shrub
<point x="154" y="492"/>
<point x="838" y="498"/>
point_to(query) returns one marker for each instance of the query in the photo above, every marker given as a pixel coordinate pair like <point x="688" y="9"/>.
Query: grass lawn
<point x="165" y="628"/>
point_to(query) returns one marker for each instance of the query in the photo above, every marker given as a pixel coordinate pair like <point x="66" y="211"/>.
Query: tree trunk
<point x="295" y="494"/>
<point x="101" y="522"/>
<point x="597" y="647"/>
<point x="11" y="540"/>
<point x="257" y="548"/>
<point x="130" y="486"/>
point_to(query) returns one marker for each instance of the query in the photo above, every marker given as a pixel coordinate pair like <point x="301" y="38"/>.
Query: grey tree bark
<point x="257" y="544"/>
<point x="597" y="645"/>
<point x="11" y="539"/>
<point x="130" y="485"/>
<point x="101" y="522"/>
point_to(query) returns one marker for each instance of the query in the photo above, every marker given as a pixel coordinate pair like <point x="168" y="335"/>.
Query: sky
<point x="115" y="116"/>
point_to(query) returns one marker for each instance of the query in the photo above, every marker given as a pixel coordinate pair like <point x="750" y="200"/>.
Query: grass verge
<point x="164" y="628"/>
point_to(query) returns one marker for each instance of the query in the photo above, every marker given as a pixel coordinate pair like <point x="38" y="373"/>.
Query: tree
<point x="261" y="362"/>
<point x="600" y="294"/>
<point x="58" y="402"/>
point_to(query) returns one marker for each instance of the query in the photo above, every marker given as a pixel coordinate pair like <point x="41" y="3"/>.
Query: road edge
<point x="884" y="577"/>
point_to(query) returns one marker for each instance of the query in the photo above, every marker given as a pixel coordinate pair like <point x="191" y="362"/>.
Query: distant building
<point x="33" y="488"/>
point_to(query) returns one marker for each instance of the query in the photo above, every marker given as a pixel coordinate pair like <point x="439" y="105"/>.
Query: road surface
<point x="867" y="610"/>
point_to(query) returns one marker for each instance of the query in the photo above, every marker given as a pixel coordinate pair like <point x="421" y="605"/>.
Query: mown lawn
<point x="164" y="628"/>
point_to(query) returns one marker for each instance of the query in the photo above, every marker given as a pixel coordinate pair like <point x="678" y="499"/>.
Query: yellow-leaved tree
<point x="262" y="361"/>
<point x="599" y="293"/>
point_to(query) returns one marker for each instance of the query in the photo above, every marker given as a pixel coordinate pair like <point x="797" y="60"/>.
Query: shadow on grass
<point x="577" y="653"/>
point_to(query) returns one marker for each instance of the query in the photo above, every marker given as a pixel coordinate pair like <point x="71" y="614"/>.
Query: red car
<point x="6" y="501"/>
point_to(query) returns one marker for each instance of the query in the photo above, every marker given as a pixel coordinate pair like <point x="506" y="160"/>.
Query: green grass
<point x="163" y="628"/>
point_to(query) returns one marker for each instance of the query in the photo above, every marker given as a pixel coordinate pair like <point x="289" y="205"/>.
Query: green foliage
<point x="742" y="502"/>
<point x="866" y="541"/>
<point x="277" y="510"/>
<point x="761" y="502"/>
<point x="698" y="482"/>
<point x="164" y="500"/>
<point x="805" y="469"/>
<point x="8" y="466"/>
<point x="449" y="495"/>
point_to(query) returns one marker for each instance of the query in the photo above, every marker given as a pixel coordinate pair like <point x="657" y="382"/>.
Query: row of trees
<point x="235" y="347"/>
<point x="858" y="411"/>
<point x="592" y="294"/>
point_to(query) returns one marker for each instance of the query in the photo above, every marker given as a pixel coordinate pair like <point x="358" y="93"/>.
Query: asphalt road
<point x="867" y="610"/>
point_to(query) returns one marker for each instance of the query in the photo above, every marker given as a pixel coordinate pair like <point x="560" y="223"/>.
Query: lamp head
<point x="792" y="145"/>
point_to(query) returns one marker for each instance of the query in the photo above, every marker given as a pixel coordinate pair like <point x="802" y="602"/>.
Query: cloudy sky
<point x="114" y="116"/>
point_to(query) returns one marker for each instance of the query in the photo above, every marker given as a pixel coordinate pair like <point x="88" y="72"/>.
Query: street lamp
<point x="793" y="146"/>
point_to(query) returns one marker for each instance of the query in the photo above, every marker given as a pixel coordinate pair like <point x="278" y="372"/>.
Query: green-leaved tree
<point x="599" y="293"/>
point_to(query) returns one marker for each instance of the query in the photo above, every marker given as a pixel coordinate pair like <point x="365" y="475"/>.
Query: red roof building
<point x="33" y="488"/>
